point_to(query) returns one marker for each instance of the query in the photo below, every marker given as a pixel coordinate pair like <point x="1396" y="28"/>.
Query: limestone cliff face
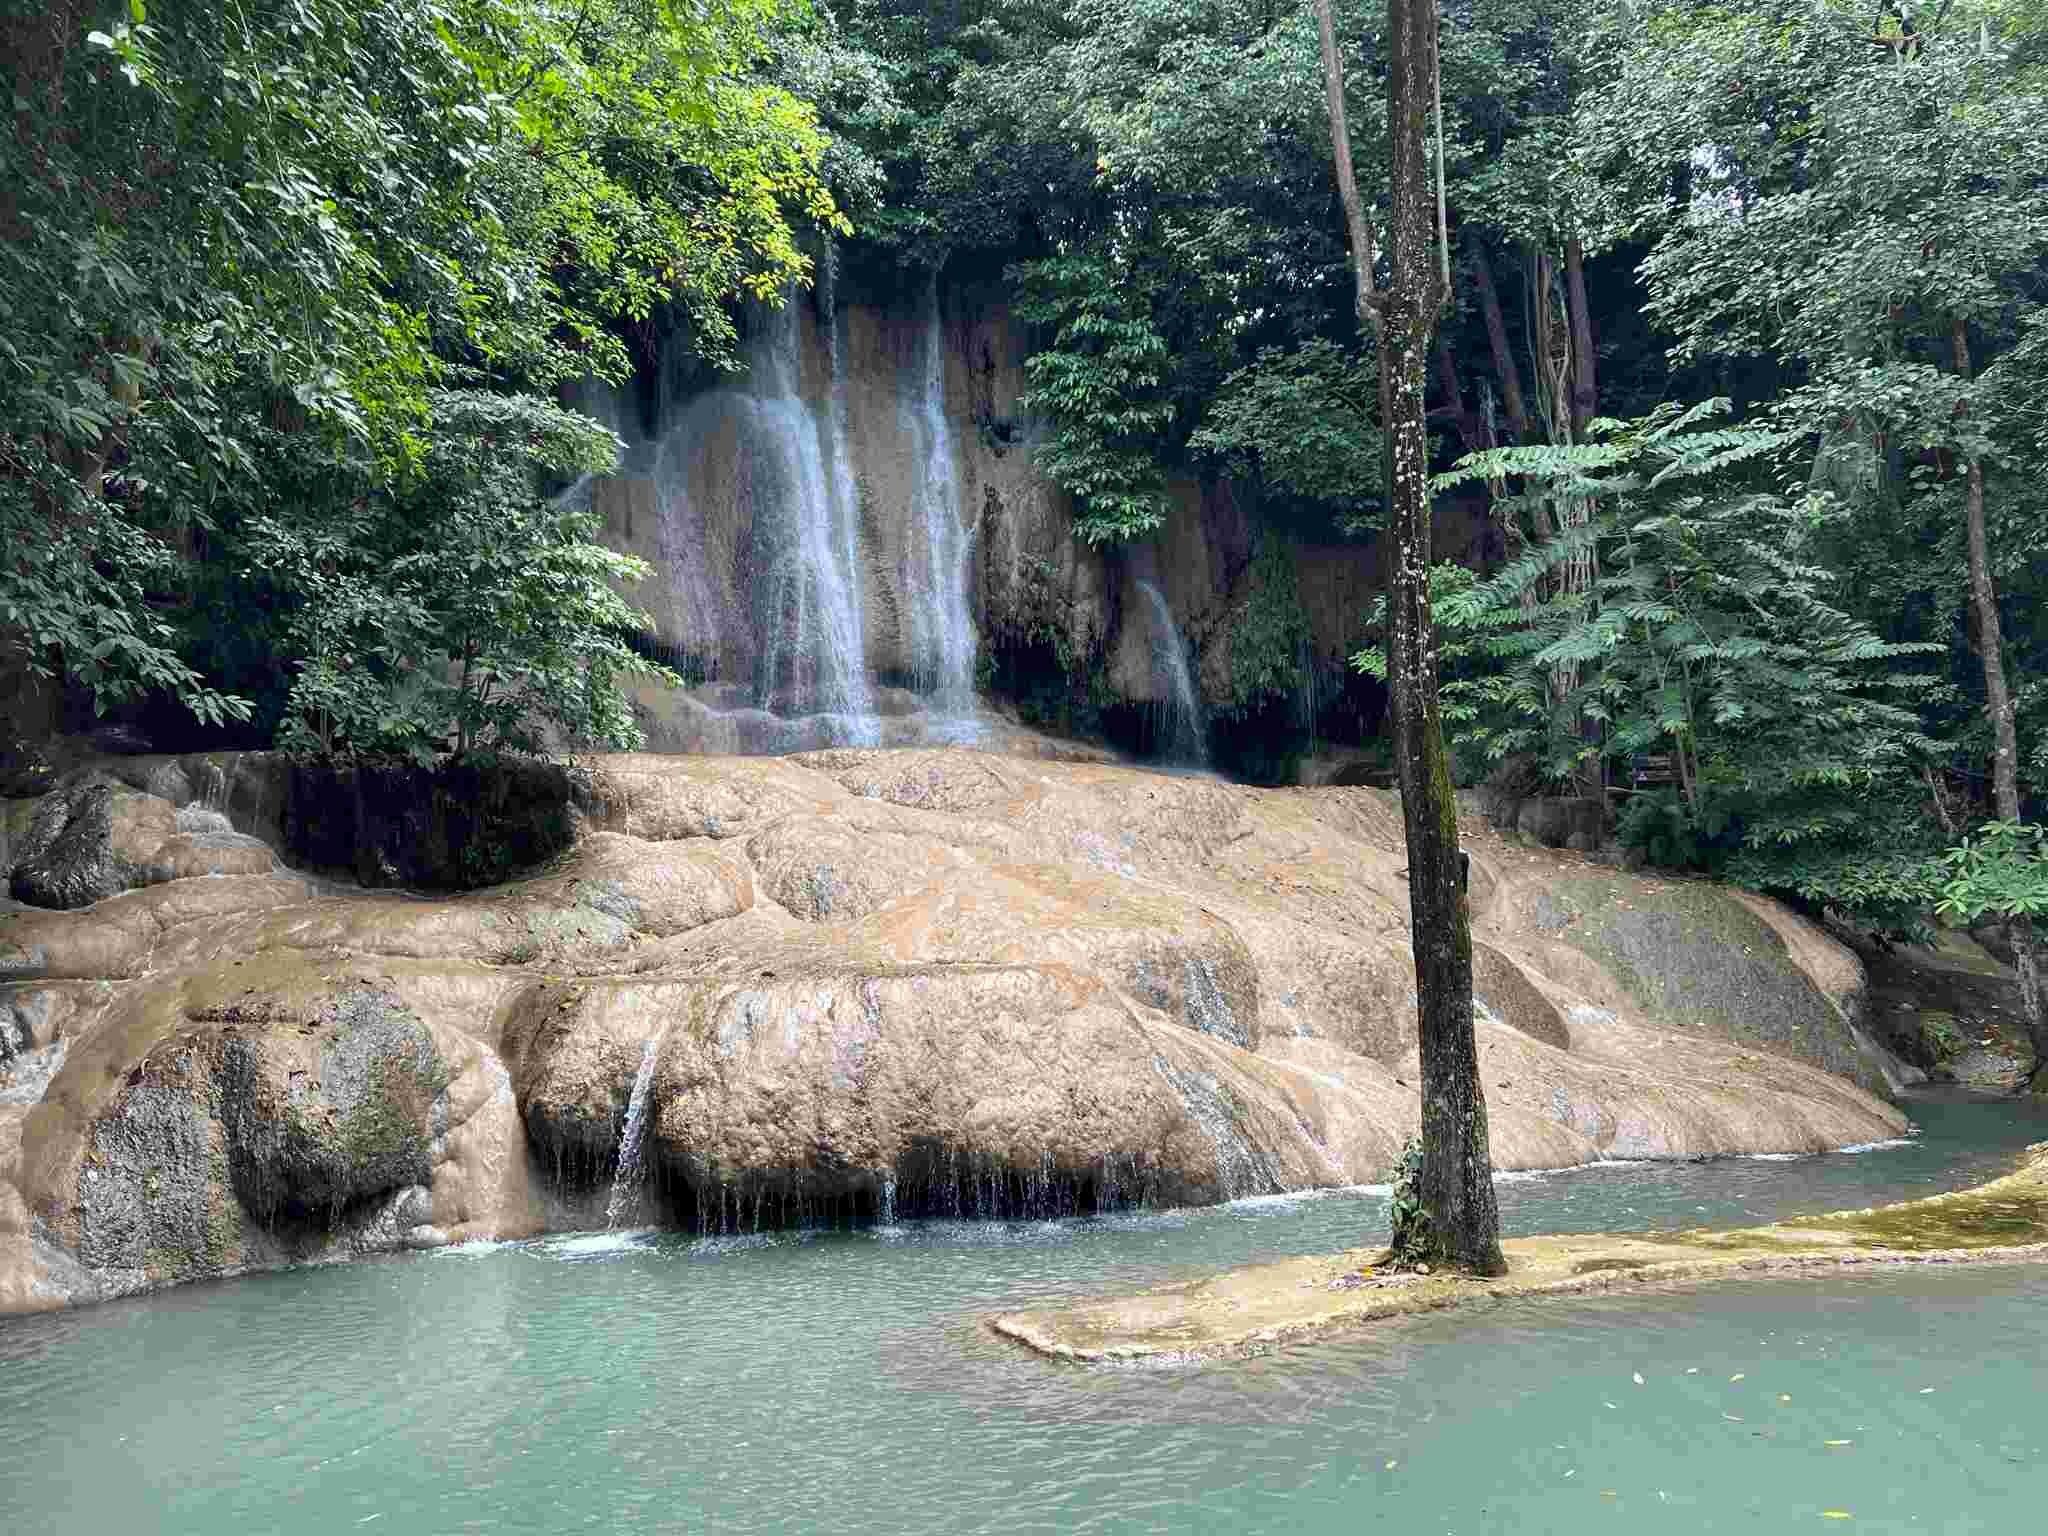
<point x="831" y="526"/>
<point x="855" y="980"/>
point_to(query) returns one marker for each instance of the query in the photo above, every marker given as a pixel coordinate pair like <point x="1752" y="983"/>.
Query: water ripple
<point x="655" y="1382"/>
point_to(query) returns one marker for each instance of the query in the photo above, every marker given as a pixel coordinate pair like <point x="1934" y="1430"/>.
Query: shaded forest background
<point x="1748" y="334"/>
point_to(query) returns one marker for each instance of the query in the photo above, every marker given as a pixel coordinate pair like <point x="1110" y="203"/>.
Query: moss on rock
<point x="347" y="1109"/>
<point x="1692" y="955"/>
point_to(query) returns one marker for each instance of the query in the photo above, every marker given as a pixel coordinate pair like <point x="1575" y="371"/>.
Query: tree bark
<point x="1504" y="365"/>
<point x="1456" y="1186"/>
<point x="2005" y="754"/>
<point x="1585" y="377"/>
<point x="1357" y="231"/>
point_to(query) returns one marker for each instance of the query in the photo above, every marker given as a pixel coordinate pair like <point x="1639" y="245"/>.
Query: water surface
<point x="839" y="1382"/>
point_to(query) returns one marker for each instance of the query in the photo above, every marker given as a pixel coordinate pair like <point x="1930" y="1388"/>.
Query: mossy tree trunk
<point x="1456" y="1184"/>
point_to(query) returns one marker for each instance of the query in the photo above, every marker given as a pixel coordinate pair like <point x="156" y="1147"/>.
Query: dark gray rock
<point x="1692" y="955"/>
<point x="88" y="842"/>
<point x="321" y="1116"/>
<point x="1557" y="822"/>
<point x="151" y="1195"/>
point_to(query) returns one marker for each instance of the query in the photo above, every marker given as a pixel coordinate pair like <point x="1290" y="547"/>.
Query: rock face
<point x="856" y="983"/>
<point x="97" y="835"/>
<point x="862" y="502"/>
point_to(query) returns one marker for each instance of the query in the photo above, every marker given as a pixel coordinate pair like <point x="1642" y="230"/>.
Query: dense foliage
<point x="278" y="276"/>
<point x="293" y="289"/>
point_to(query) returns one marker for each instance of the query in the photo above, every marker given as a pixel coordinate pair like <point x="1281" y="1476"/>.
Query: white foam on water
<point x="1879" y="1146"/>
<point x="1293" y="1197"/>
<point x="1533" y="1175"/>
<point x="1169" y="1219"/>
<point x="474" y="1248"/>
<point x="600" y="1245"/>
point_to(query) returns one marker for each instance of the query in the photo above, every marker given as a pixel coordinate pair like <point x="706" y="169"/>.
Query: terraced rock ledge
<point x="241" y="1027"/>
<point x="1251" y="1311"/>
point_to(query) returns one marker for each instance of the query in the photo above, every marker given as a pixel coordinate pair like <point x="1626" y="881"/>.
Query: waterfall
<point x="806" y="598"/>
<point x="632" y="1171"/>
<point x="778" y="565"/>
<point x="885" y="1216"/>
<point x="942" y="637"/>
<point x="1181" y="723"/>
<point x="600" y="401"/>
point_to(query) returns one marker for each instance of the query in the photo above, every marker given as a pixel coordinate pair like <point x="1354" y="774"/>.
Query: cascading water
<point x="632" y="1172"/>
<point x="806" y="595"/>
<point x="599" y="400"/>
<point x="1181" y="726"/>
<point x="942" y="636"/>
<point x="807" y="523"/>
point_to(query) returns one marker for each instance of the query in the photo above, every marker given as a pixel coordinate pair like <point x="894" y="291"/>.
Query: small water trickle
<point x="1241" y="1168"/>
<point x="632" y="1171"/>
<point x="887" y="1215"/>
<point x="218" y="778"/>
<point x="1182" y="730"/>
<point x="26" y="1074"/>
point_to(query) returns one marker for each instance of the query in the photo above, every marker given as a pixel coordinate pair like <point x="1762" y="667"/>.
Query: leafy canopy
<point x="348" y="225"/>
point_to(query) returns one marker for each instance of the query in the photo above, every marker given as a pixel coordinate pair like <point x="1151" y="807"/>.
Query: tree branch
<point x="1355" y="225"/>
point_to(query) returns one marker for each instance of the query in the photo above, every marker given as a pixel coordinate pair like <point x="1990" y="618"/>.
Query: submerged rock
<point x="860" y="982"/>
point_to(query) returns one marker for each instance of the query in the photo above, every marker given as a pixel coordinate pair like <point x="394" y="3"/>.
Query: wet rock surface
<point x="1953" y="1010"/>
<point x="857" y="982"/>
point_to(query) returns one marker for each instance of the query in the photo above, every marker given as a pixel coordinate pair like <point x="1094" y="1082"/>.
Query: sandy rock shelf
<point x="1254" y="1310"/>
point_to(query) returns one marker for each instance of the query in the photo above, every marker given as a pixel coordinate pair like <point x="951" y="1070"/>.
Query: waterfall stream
<point x="806" y="596"/>
<point x="1181" y="725"/>
<point x="942" y="633"/>
<point x="809" y="526"/>
<point x="632" y="1173"/>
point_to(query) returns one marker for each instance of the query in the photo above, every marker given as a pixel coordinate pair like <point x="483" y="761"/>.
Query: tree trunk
<point x="1356" y="230"/>
<point x="1454" y="397"/>
<point x="2005" y="755"/>
<point x="1456" y="1187"/>
<point x="1504" y="366"/>
<point x="1585" y="377"/>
